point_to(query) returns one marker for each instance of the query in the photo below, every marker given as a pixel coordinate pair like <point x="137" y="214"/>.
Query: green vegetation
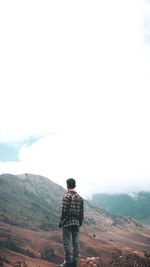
<point x="136" y="206"/>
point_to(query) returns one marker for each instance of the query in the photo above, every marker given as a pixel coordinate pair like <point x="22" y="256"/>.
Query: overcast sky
<point x="75" y="92"/>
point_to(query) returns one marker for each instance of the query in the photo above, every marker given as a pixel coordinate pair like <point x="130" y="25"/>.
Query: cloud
<point x="97" y="166"/>
<point x="147" y="26"/>
<point x="78" y="74"/>
<point x="66" y="63"/>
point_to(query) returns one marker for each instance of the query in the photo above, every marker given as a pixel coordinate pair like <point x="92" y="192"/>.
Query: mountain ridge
<point x="30" y="207"/>
<point x="34" y="201"/>
<point x="135" y="205"/>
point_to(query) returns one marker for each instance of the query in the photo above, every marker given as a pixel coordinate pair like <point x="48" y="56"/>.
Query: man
<point x="71" y="220"/>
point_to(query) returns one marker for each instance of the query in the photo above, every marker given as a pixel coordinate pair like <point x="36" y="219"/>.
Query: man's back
<point x="72" y="209"/>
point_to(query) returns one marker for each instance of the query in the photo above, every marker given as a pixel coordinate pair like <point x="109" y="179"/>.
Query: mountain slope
<point x="30" y="207"/>
<point x="34" y="202"/>
<point x="29" y="201"/>
<point x="135" y="205"/>
<point x="38" y="247"/>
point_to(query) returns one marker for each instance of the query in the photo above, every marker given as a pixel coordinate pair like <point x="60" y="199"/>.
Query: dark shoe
<point x="65" y="264"/>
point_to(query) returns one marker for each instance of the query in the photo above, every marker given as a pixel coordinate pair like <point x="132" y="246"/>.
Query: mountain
<point x="30" y="207"/>
<point x="34" y="202"/>
<point x="29" y="201"/>
<point x="135" y="205"/>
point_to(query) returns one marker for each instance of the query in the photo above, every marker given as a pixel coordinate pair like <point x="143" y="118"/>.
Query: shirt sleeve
<point x="81" y="212"/>
<point x="65" y="208"/>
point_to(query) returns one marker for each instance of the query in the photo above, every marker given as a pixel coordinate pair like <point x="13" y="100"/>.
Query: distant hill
<point x="34" y="202"/>
<point x="135" y="205"/>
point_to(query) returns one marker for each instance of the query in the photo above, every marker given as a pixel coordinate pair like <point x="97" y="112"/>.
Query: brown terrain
<point x="104" y="238"/>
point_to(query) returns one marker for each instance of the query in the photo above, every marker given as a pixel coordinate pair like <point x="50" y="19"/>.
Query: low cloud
<point x="82" y="83"/>
<point x="96" y="167"/>
<point x="147" y="27"/>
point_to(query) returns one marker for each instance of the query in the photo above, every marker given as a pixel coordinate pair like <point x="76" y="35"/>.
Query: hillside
<point x="29" y="201"/>
<point x="44" y="249"/>
<point x="135" y="205"/>
<point x="29" y="233"/>
<point x="34" y="202"/>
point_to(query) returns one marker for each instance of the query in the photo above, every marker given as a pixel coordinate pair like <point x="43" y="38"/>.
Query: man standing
<point x="71" y="220"/>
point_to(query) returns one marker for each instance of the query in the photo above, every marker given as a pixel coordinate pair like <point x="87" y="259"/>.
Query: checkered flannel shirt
<point x="72" y="209"/>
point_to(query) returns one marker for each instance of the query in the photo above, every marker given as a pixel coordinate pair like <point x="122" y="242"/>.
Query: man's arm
<point x="81" y="212"/>
<point x="64" y="210"/>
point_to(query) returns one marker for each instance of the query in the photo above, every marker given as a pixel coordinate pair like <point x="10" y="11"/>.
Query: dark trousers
<point x="68" y="233"/>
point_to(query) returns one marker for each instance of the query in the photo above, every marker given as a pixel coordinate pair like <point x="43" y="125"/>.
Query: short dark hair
<point x="71" y="183"/>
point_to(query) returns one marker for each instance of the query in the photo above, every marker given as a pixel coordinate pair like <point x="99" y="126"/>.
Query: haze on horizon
<point x="75" y="92"/>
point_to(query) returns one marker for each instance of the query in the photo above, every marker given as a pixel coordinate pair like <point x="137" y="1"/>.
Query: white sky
<point x="78" y="73"/>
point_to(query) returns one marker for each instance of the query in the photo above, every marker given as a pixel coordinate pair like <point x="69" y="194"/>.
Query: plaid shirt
<point x="72" y="209"/>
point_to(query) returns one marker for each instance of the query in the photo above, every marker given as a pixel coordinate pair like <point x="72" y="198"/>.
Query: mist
<point x="75" y="80"/>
